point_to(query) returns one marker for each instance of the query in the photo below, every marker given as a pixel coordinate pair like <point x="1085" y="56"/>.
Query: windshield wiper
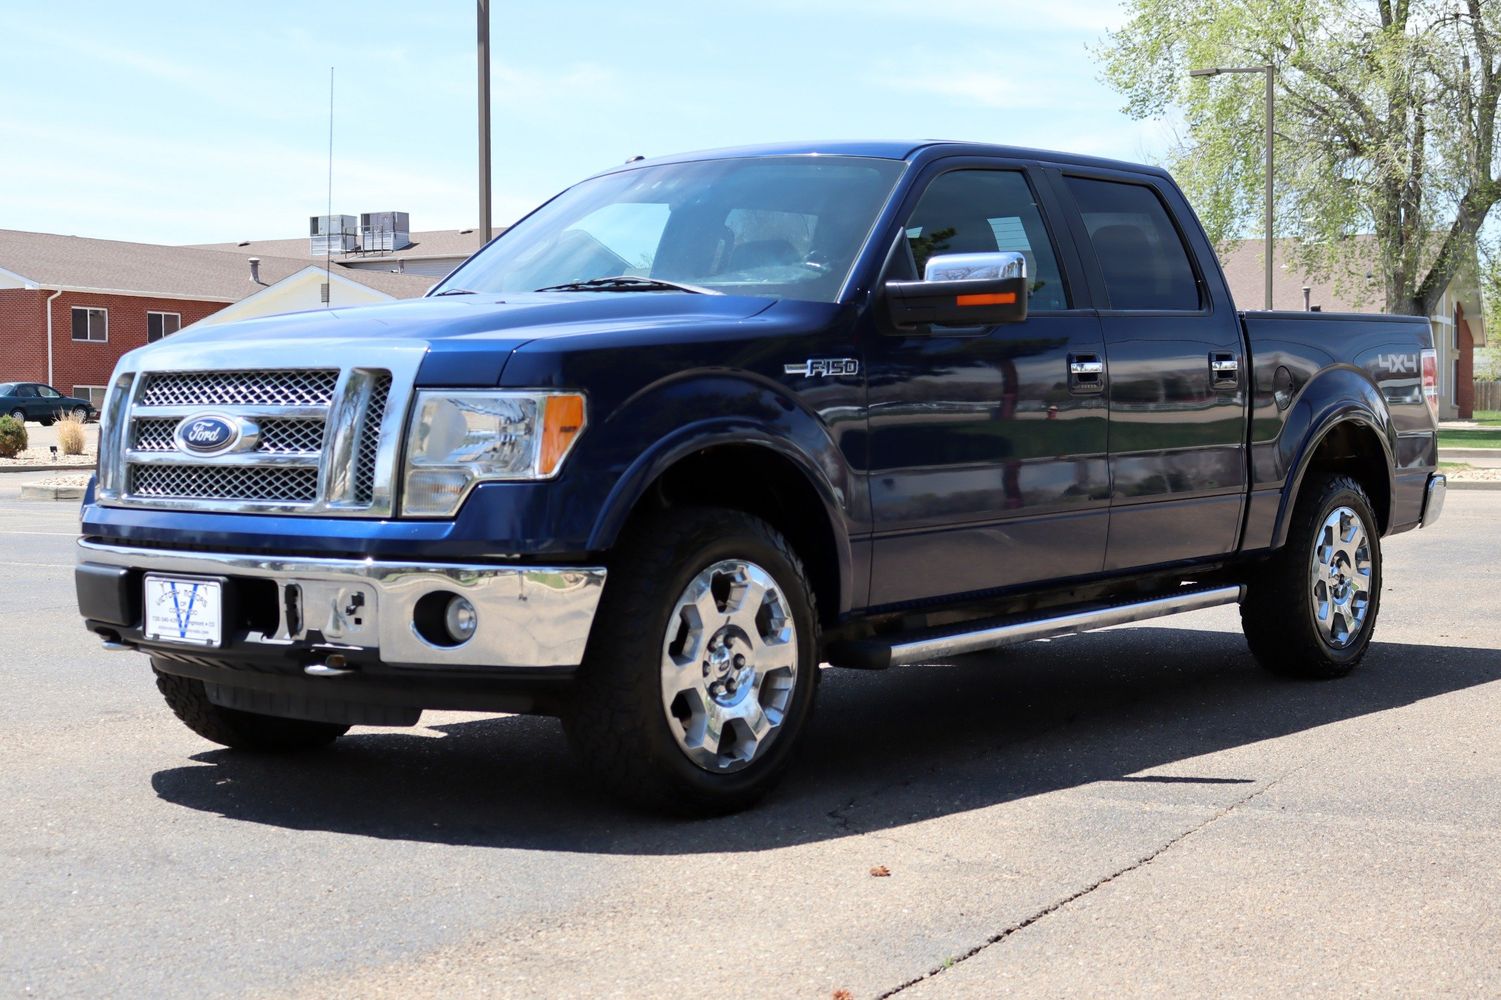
<point x="627" y="283"/>
<point x="456" y="291"/>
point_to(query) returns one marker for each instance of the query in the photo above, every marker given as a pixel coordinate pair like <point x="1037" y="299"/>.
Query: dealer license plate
<point x="182" y="609"/>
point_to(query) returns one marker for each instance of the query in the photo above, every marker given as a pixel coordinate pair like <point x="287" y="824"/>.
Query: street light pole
<point x="1270" y="72"/>
<point x="482" y="14"/>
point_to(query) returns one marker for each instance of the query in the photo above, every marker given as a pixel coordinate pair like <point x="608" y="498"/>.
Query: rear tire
<point x="1312" y="608"/>
<point x="701" y="666"/>
<point x="241" y="730"/>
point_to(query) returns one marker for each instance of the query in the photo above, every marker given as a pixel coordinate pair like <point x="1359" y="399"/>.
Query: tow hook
<point x="333" y="666"/>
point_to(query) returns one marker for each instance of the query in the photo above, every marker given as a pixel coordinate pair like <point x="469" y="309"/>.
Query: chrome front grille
<point x="293" y="437"/>
<point x="292" y="387"/>
<point x="209" y="482"/>
<point x="153" y="435"/>
<point x="278" y="437"/>
<point x="306" y="441"/>
<point x="364" y="470"/>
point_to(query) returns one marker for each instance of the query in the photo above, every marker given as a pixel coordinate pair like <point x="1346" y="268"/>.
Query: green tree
<point x="1488" y="358"/>
<point x="1385" y="124"/>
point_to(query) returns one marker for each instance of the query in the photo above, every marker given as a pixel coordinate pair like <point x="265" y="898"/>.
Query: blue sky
<point x="177" y="122"/>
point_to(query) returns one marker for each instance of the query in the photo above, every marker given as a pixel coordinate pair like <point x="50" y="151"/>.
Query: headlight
<point x="457" y="439"/>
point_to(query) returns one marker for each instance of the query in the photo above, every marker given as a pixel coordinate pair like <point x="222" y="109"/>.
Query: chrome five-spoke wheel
<point x="1340" y="577"/>
<point x="729" y="665"/>
<point x="701" y="667"/>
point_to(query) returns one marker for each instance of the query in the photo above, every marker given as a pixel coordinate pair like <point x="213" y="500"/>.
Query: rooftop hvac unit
<point x="331" y="234"/>
<point x="382" y="232"/>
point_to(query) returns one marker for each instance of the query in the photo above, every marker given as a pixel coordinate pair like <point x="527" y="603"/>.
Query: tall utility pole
<point x="482" y="13"/>
<point x="1270" y="72"/>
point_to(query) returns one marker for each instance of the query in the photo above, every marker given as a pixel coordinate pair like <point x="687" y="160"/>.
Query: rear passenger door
<point x="27" y="401"/>
<point x="1176" y="381"/>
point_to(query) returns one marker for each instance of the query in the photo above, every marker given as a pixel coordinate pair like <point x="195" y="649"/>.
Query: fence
<point x="1488" y="395"/>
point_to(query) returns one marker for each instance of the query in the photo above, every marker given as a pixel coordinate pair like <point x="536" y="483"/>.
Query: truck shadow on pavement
<point x="885" y="750"/>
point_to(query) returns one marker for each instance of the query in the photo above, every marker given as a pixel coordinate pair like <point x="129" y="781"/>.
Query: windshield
<point x="782" y="226"/>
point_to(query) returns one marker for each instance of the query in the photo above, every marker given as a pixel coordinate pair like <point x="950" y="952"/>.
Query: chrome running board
<point x="879" y="652"/>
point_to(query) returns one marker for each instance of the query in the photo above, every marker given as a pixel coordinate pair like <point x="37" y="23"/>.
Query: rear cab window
<point x="1140" y="253"/>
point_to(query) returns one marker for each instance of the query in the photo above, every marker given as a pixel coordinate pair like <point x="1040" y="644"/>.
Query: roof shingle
<point x="51" y="260"/>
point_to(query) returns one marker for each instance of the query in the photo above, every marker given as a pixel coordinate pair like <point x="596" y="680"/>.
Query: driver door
<point x="988" y="455"/>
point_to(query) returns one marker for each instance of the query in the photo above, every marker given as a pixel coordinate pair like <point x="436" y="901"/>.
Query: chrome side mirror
<point x="974" y="266"/>
<point x="963" y="289"/>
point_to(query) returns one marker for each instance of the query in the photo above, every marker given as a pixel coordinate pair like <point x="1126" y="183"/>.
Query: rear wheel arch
<point x="1349" y="444"/>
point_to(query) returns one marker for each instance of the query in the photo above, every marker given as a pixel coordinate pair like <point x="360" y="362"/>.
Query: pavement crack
<point x="840" y="815"/>
<point x="1057" y="905"/>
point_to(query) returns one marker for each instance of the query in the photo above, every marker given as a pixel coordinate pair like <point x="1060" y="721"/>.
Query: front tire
<point x="239" y="730"/>
<point x="19" y="416"/>
<point x="1312" y="609"/>
<point x="701" y="667"/>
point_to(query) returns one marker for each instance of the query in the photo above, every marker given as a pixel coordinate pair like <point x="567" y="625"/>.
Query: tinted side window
<point x="970" y="211"/>
<point x="1140" y="253"/>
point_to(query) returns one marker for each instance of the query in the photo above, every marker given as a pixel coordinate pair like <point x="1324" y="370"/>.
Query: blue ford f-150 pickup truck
<point x="702" y="423"/>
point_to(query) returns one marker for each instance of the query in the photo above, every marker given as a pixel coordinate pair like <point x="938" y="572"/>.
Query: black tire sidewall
<point x="694" y="549"/>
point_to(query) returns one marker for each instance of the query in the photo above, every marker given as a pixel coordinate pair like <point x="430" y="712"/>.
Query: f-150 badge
<point x="819" y="367"/>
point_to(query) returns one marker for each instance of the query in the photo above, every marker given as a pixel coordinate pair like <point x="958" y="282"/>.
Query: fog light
<point x="460" y="619"/>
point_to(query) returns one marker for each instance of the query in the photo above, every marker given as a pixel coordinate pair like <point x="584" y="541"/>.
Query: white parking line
<point x="68" y="534"/>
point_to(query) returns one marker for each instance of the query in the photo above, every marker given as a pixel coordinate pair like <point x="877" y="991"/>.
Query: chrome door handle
<point x="1224" y="370"/>
<point x="1086" y="374"/>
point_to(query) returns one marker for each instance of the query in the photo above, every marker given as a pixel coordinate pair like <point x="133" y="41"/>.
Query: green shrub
<point x="12" y="437"/>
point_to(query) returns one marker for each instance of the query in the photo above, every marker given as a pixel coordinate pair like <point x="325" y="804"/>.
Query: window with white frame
<point x="93" y="393"/>
<point x="90" y="324"/>
<point x="161" y="324"/>
<point x="1454" y="385"/>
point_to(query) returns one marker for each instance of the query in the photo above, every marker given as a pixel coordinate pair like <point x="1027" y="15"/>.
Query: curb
<point x="35" y="491"/>
<point x="1445" y="454"/>
<point x="5" y="469"/>
<point x="1488" y="484"/>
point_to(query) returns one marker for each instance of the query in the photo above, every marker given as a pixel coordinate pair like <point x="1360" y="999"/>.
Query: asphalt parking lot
<point x="1139" y="811"/>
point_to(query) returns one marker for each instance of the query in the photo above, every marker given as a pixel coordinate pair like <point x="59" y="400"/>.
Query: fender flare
<point x="686" y="441"/>
<point x="1339" y="408"/>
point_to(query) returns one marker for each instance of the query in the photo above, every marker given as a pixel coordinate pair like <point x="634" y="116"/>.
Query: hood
<point x="467" y="338"/>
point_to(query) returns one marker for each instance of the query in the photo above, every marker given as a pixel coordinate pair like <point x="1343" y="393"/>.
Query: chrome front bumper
<point x="1433" y="499"/>
<point x="528" y="616"/>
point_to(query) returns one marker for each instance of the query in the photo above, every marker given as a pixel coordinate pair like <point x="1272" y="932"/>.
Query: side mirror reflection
<point x="963" y="289"/>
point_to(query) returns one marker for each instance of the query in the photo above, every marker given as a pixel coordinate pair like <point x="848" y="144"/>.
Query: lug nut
<point x="739" y="662"/>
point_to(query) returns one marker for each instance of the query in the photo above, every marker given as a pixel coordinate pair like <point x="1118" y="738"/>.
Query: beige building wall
<point x="298" y="293"/>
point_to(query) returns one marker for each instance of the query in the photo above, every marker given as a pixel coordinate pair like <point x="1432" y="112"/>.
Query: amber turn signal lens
<point x="995" y="299"/>
<point x="562" y="423"/>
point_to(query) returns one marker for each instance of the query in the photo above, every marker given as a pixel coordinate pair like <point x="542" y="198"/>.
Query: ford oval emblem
<point x="207" y="434"/>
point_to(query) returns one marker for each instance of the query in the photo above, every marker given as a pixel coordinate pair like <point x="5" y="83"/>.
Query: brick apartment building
<point x="70" y="307"/>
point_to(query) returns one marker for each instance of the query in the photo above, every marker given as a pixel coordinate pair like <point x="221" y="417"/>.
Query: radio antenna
<point x="328" y="253"/>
